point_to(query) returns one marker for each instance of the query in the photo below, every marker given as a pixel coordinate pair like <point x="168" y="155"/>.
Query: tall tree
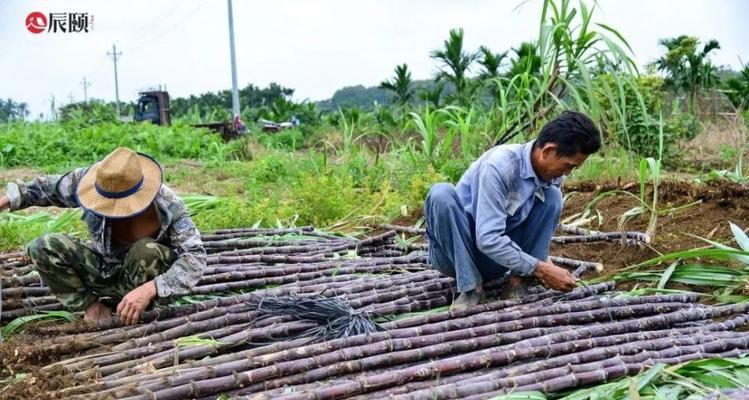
<point x="490" y="63"/>
<point x="400" y="85"/>
<point x="12" y="111"/>
<point x="455" y="64"/>
<point x="738" y="87"/>
<point x="526" y="59"/>
<point x="434" y="96"/>
<point x="687" y="68"/>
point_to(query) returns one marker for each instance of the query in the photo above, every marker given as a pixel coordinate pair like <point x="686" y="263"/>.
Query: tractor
<point x="154" y="106"/>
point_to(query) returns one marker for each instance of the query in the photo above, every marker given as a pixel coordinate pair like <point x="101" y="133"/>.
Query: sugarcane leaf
<point x="667" y="392"/>
<point x="521" y="396"/>
<point x="667" y="274"/>
<point x="741" y="238"/>
<point x="645" y="379"/>
<point x="18" y="323"/>
<point x="741" y="258"/>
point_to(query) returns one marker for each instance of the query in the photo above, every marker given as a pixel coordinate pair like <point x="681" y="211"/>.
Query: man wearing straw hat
<point x="144" y="244"/>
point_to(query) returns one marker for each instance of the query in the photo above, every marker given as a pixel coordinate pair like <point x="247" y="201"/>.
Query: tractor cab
<point x="154" y="107"/>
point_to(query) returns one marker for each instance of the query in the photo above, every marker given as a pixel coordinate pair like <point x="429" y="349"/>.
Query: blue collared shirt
<point x="497" y="192"/>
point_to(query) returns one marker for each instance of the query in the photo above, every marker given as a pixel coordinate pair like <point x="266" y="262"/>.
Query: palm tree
<point x="433" y="97"/>
<point x="12" y="111"/>
<point x="738" y="87"/>
<point x="490" y="63"/>
<point x="526" y="59"/>
<point x="687" y="69"/>
<point x="400" y="85"/>
<point x="455" y="64"/>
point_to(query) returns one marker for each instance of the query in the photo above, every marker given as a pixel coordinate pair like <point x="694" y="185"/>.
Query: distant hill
<point x="364" y="97"/>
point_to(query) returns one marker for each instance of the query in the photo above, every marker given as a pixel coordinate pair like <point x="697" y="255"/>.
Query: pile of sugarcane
<point x="548" y="341"/>
<point x="243" y="260"/>
<point x="299" y="314"/>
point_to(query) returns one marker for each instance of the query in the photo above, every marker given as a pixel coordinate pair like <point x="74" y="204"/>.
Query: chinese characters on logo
<point x="55" y="22"/>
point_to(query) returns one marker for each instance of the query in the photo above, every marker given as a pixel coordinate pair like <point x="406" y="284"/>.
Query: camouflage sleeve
<point x="191" y="257"/>
<point x="51" y="190"/>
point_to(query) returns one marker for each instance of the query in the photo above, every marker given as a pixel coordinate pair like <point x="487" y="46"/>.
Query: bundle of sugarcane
<point x="196" y="350"/>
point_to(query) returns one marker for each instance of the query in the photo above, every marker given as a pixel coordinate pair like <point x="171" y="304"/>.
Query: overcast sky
<point x="312" y="46"/>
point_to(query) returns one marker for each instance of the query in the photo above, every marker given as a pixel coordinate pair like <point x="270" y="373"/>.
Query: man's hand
<point x="133" y="304"/>
<point x="4" y="203"/>
<point x="555" y="277"/>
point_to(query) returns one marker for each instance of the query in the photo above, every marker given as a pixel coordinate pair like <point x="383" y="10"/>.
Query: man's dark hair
<point x="572" y="132"/>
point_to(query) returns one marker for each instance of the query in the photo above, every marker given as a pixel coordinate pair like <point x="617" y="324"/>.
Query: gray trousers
<point x="452" y="240"/>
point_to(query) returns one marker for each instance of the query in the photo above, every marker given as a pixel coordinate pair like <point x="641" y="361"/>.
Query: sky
<point x="312" y="46"/>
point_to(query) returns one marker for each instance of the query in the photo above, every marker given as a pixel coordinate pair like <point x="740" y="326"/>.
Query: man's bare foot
<point x="97" y="311"/>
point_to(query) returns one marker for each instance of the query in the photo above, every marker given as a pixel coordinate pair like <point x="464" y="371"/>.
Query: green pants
<point x="73" y="270"/>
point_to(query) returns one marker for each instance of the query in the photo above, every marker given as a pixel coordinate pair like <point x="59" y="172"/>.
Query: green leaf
<point x="521" y="396"/>
<point x="17" y="324"/>
<point x="741" y="238"/>
<point x="645" y="379"/>
<point x="667" y="274"/>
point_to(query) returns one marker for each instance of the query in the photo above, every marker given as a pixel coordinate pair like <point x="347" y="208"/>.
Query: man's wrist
<point x="540" y="271"/>
<point x="151" y="287"/>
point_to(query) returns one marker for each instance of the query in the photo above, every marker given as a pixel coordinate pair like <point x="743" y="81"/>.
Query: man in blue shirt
<point x="500" y="217"/>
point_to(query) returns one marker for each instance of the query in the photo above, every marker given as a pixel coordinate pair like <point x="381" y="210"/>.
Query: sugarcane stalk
<point x="28" y="302"/>
<point x="209" y="237"/>
<point x="351" y="245"/>
<point x="20" y="312"/>
<point x="288" y="249"/>
<point x="12" y="255"/>
<point x="22" y="280"/>
<point x="24" y="291"/>
<point x="578" y="293"/>
<point x="402" y="229"/>
<point x="581" y="267"/>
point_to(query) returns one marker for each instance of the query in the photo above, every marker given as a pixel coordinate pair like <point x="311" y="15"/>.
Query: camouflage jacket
<point x="177" y="229"/>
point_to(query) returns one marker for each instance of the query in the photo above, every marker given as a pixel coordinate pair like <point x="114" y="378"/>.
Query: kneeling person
<point x="144" y="244"/>
<point x="500" y="217"/>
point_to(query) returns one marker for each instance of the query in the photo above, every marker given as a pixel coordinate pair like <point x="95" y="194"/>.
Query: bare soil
<point x="719" y="203"/>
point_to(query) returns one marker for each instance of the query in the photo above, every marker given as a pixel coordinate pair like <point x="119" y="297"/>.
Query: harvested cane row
<point x="249" y="259"/>
<point x="548" y="341"/>
<point x="276" y="341"/>
<point x="239" y="260"/>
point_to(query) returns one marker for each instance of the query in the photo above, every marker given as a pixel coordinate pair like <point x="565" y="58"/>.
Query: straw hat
<point x="121" y="185"/>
